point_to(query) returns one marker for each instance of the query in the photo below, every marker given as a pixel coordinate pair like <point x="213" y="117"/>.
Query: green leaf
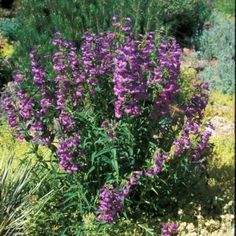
<point x="147" y="229"/>
<point x="100" y="153"/>
<point x="115" y="164"/>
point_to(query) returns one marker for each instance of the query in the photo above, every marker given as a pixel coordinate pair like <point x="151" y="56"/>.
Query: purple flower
<point x="166" y="74"/>
<point x="130" y="85"/>
<point x="133" y="180"/>
<point x="10" y="110"/>
<point x="169" y="229"/>
<point x="38" y="72"/>
<point x="37" y="126"/>
<point x="127" y="190"/>
<point x="158" y="165"/>
<point x="25" y="105"/>
<point x="109" y="129"/>
<point x="66" y="121"/>
<point x="110" y="204"/>
<point x="18" y="78"/>
<point x="67" y="152"/>
<point x="45" y="103"/>
<point x="203" y="143"/>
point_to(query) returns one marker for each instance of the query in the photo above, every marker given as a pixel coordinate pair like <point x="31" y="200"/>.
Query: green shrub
<point x="218" y="44"/>
<point x="5" y="72"/>
<point x="221" y="76"/>
<point x="9" y="8"/>
<point x="219" y="40"/>
<point x="8" y="28"/>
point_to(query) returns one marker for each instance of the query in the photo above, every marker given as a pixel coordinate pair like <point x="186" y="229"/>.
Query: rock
<point x="222" y="126"/>
<point x="201" y="64"/>
<point x="186" y="51"/>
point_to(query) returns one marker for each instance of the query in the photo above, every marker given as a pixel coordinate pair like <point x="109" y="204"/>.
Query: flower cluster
<point x="166" y="76"/>
<point x="195" y="107"/>
<point x="202" y="144"/>
<point x="194" y="113"/>
<point x="110" y="204"/>
<point x="169" y="229"/>
<point x="66" y="151"/>
<point x="130" y="86"/>
<point x="37" y="71"/>
<point x="9" y="109"/>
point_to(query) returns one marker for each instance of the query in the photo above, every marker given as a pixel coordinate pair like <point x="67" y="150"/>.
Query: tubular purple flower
<point x="67" y="151"/>
<point x="66" y="121"/>
<point x="37" y="71"/>
<point x="18" y="78"/>
<point x="110" y="204"/>
<point x="130" y="86"/>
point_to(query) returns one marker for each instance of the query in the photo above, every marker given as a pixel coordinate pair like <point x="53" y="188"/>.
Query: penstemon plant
<point x="112" y="112"/>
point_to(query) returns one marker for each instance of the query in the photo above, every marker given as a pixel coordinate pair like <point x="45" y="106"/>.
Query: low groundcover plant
<point x="113" y="112"/>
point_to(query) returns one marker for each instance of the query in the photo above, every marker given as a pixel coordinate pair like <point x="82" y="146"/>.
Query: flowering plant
<point x="113" y="112"/>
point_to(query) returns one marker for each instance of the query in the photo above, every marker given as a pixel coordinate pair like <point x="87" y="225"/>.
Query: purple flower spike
<point x="110" y="204"/>
<point x="67" y="152"/>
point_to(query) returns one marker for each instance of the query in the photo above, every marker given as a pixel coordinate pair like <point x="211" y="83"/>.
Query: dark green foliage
<point x="71" y="208"/>
<point x="7" y="3"/>
<point x="63" y="213"/>
<point x="5" y="71"/>
<point x="39" y="20"/>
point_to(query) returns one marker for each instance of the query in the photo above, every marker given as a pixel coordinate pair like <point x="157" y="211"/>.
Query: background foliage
<point x="39" y="20"/>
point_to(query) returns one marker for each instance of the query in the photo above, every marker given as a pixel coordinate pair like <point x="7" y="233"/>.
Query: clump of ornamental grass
<point x="114" y="113"/>
<point x="15" y="194"/>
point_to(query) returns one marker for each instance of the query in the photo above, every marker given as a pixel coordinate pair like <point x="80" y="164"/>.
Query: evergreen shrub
<point x="217" y="44"/>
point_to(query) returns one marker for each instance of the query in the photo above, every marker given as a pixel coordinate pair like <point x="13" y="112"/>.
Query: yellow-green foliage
<point x="220" y="105"/>
<point x="221" y="166"/>
<point x="223" y="150"/>
<point x="7" y="49"/>
<point x="187" y="75"/>
<point x="21" y="150"/>
<point x="10" y="146"/>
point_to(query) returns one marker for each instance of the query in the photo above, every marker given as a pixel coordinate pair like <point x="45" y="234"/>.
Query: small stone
<point x="186" y="51"/>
